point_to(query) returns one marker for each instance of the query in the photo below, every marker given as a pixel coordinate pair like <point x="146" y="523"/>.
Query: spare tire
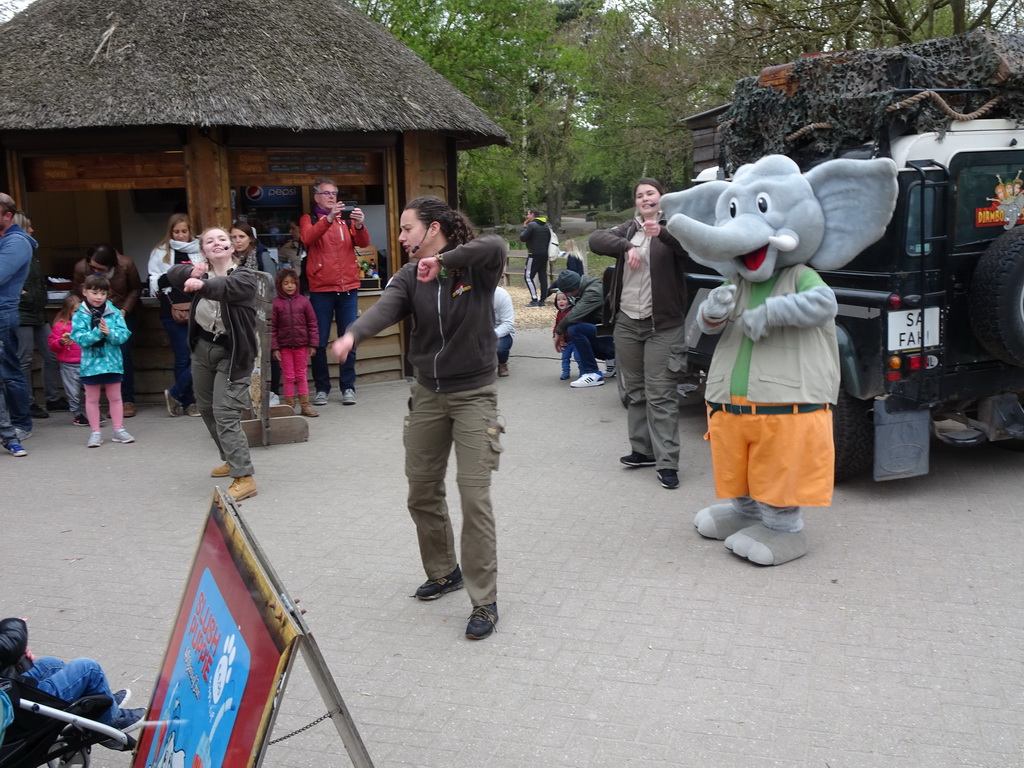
<point x="997" y="298"/>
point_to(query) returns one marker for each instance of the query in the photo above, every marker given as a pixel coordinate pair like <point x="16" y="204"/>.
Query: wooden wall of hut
<point x="76" y="185"/>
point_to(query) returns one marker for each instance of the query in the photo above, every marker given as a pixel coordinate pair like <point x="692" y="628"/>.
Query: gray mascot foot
<point x="767" y="547"/>
<point x="720" y="521"/>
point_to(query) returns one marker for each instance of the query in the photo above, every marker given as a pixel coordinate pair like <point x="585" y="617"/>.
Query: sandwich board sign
<point x="233" y="644"/>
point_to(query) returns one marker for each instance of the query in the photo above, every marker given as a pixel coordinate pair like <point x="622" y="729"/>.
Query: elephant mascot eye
<point x="734" y="208"/>
<point x="763" y="202"/>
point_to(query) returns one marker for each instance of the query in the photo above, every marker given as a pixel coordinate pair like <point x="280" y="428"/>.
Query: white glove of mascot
<point x="719" y="303"/>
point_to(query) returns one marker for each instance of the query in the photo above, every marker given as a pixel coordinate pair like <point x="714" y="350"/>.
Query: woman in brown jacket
<point x="125" y="294"/>
<point x="648" y="305"/>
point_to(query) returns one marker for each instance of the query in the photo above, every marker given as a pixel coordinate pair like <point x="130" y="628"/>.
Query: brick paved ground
<point x="625" y="639"/>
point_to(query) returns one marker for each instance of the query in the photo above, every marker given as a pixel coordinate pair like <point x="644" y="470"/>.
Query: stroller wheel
<point x="79" y="759"/>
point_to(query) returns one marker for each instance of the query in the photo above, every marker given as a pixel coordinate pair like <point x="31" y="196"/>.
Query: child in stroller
<point x="61" y="709"/>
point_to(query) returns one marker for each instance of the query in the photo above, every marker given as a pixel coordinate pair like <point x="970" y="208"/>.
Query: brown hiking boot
<point x="242" y="488"/>
<point x="222" y="471"/>
<point x="503" y="369"/>
<point x="289" y="401"/>
<point x="306" y="408"/>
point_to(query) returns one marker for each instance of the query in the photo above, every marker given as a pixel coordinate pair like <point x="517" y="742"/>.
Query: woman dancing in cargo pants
<point x="449" y="293"/>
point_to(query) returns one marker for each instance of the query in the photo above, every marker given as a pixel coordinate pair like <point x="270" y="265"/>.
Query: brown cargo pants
<point x="435" y="421"/>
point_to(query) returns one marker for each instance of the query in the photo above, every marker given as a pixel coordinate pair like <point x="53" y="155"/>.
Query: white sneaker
<point x="320" y="398"/>
<point x="274" y="400"/>
<point x="348" y="397"/>
<point x="121" y="436"/>
<point x="95" y="440"/>
<point x="589" y="380"/>
<point x="609" y="367"/>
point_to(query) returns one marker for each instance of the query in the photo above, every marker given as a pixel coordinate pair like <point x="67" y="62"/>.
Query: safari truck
<point x="931" y="317"/>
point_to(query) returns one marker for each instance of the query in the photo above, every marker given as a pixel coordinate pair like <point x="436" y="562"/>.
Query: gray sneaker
<point x="320" y="398"/>
<point x="122" y="436"/>
<point x="348" y="397"/>
<point x="95" y="440"/>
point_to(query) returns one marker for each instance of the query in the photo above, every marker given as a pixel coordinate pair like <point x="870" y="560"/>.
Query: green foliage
<point x="593" y="94"/>
<point x="489" y="186"/>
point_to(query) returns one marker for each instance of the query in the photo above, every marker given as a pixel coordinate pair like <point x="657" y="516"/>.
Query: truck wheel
<point x="997" y="298"/>
<point x="853" y="433"/>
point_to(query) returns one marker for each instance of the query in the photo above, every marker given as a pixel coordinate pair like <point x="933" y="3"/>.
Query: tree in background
<point x="592" y="93"/>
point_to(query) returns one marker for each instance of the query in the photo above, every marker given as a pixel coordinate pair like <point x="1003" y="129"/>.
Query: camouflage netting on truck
<point x="819" y="105"/>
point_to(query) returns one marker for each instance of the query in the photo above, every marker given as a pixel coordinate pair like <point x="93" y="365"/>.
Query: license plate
<point x="913" y="329"/>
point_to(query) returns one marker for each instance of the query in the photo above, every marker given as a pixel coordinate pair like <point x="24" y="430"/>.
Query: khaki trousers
<point x="650" y="363"/>
<point x="221" y="403"/>
<point x="435" y="422"/>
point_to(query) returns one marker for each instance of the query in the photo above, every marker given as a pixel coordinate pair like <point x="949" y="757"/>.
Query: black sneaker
<point x="669" y="478"/>
<point x="60" y="404"/>
<point x="80" y="421"/>
<point x="637" y="459"/>
<point x="434" y="588"/>
<point x="482" y="621"/>
<point x="38" y="412"/>
<point x="532" y="304"/>
<point x="122" y="696"/>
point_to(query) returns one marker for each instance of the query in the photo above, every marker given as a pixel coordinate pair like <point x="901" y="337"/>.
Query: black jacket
<point x="668" y="272"/>
<point x="236" y="293"/>
<point x="452" y="344"/>
<point x="13" y="644"/>
<point x="33" y="301"/>
<point x="537" y="236"/>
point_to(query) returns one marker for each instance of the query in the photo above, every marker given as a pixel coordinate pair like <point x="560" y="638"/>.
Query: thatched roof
<point x="295" y="64"/>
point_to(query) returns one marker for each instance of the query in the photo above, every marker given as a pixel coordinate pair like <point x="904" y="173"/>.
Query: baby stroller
<point x="55" y="733"/>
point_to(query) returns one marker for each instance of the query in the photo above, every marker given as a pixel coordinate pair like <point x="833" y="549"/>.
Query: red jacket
<point x="293" y="323"/>
<point x="331" y="253"/>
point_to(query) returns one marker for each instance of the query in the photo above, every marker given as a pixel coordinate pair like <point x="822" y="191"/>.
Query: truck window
<point x="987" y="197"/>
<point x="915" y="232"/>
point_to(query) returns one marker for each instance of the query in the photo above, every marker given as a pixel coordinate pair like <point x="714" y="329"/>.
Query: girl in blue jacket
<point x="99" y="329"/>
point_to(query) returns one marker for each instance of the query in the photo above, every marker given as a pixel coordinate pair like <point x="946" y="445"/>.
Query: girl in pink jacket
<point x="293" y="339"/>
<point x="69" y="355"/>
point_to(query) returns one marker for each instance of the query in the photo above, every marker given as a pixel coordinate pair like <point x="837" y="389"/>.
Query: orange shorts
<point x="785" y="459"/>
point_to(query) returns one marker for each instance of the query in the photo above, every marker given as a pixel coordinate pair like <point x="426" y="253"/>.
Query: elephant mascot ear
<point x="857" y="198"/>
<point x="697" y="203"/>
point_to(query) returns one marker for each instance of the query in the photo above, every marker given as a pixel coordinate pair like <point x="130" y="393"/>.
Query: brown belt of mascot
<point x="748" y="410"/>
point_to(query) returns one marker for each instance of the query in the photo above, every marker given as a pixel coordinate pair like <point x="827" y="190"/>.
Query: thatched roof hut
<point x="114" y="113"/>
<point x="299" y="64"/>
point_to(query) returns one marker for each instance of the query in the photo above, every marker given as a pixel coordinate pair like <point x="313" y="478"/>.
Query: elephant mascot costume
<point x="775" y="370"/>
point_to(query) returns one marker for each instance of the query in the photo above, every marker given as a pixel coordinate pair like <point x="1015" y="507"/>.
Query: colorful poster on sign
<point x="230" y="649"/>
<point x="208" y="679"/>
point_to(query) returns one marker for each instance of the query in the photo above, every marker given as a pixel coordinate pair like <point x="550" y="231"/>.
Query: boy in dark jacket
<point x="579" y="326"/>
<point x="65" y="680"/>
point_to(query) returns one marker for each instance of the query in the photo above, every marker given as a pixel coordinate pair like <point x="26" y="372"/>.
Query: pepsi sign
<point x="272" y="196"/>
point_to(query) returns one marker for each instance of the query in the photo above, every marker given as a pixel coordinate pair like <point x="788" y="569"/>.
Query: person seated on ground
<point x="579" y="326"/>
<point x="504" y="327"/>
<point x="65" y="680"/>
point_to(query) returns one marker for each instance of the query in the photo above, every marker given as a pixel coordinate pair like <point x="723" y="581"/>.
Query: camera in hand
<point x="346" y="212"/>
